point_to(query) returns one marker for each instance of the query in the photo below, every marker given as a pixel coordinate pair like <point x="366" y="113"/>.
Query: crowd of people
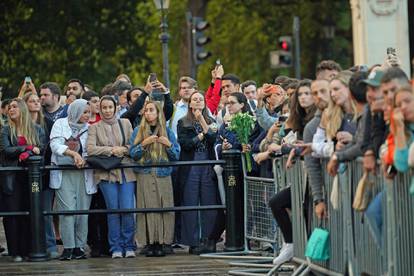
<point x="339" y="115"/>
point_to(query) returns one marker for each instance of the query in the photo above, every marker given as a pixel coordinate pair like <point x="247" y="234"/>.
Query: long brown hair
<point x="154" y="151"/>
<point x="190" y="116"/>
<point x="298" y="116"/>
<point x="25" y="127"/>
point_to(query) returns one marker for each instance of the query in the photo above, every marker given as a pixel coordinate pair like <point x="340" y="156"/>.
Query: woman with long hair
<point x="196" y="135"/>
<point x="338" y="119"/>
<point x="73" y="187"/>
<point x="153" y="142"/>
<point x="301" y="112"/>
<point x="36" y="112"/>
<point x="32" y="101"/>
<point x="109" y="137"/>
<point x="20" y="139"/>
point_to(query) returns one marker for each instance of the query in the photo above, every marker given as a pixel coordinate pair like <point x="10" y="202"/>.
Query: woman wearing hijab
<point x="109" y="137"/>
<point x="73" y="187"/>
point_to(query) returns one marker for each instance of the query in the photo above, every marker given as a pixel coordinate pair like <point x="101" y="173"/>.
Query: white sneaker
<point x="116" y="255"/>
<point x="130" y="254"/>
<point x="285" y="255"/>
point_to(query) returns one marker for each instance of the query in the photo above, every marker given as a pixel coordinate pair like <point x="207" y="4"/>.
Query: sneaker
<point x="17" y="259"/>
<point x="285" y="255"/>
<point x="117" y="255"/>
<point x="66" y="254"/>
<point x="130" y="254"/>
<point x="78" y="253"/>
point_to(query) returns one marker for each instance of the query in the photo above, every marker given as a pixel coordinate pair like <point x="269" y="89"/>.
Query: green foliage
<point x="97" y="40"/>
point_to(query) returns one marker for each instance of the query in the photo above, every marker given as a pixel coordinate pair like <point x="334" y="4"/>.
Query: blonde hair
<point x="40" y="117"/>
<point x="404" y="88"/>
<point x="154" y="151"/>
<point x="334" y="111"/>
<point x="25" y="126"/>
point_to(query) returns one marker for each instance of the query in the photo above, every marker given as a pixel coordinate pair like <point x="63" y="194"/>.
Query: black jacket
<point x="10" y="152"/>
<point x="132" y="114"/>
<point x="188" y="140"/>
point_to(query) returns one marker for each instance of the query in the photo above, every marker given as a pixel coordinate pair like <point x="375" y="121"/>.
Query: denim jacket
<point x="173" y="153"/>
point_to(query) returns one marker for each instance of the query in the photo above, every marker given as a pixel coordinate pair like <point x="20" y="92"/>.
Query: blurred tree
<point x="97" y="40"/>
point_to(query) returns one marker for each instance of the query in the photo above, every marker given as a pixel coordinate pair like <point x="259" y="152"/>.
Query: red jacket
<point x="213" y="96"/>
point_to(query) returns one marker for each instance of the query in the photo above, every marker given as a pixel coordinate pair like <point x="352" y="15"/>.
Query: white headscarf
<point x="75" y="111"/>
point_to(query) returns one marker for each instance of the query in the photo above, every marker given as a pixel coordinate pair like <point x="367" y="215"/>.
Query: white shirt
<point x="181" y="109"/>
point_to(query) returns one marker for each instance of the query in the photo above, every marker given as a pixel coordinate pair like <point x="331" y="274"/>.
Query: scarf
<point x="110" y="126"/>
<point x="75" y="111"/>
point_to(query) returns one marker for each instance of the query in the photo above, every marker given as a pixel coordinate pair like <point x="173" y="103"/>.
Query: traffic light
<point x="285" y="52"/>
<point x="199" y="40"/>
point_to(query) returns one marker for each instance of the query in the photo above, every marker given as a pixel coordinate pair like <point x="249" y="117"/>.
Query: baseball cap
<point x="374" y="78"/>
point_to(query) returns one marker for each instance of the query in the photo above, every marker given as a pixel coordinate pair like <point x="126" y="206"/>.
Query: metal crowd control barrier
<point x="400" y="226"/>
<point x="353" y="248"/>
<point x="260" y="225"/>
<point x="36" y="212"/>
<point x="253" y="201"/>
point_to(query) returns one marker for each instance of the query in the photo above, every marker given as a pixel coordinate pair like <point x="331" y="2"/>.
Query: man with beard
<point x="320" y="93"/>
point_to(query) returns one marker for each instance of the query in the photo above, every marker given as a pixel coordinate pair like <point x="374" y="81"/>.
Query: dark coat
<point x="10" y="155"/>
<point x="188" y="140"/>
<point x="132" y="114"/>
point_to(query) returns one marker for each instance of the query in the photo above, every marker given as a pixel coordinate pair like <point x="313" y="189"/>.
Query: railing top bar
<point x="136" y="210"/>
<point x="124" y="166"/>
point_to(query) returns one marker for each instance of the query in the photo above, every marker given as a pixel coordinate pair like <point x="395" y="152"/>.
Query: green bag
<point x="412" y="187"/>
<point x="317" y="248"/>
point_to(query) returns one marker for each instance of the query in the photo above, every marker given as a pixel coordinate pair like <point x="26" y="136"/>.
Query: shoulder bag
<point x="107" y="163"/>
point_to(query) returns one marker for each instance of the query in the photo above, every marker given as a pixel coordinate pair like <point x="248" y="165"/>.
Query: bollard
<point x="233" y="181"/>
<point x="37" y="222"/>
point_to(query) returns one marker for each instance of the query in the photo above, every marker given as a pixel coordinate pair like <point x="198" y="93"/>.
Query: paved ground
<point x="180" y="263"/>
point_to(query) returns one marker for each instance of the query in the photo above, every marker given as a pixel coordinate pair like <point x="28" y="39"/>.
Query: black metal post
<point x="164" y="41"/>
<point x="233" y="180"/>
<point x="37" y="222"/>
<point x="296" y="35"/>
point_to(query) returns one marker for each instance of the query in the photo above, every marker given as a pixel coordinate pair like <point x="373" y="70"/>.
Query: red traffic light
<point x="284" y="45"/>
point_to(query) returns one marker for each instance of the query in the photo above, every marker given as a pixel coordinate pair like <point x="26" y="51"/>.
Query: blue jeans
<point x="121" y="227"/>
<point x="375" y="219"/>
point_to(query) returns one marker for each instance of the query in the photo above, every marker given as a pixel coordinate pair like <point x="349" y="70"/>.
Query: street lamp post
<point x="163" y="5"/>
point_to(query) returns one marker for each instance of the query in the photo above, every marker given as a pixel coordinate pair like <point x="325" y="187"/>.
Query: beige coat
<point x="99" y="144"/>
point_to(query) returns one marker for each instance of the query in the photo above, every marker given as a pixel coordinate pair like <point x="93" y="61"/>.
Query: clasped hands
<point x="119" y="151"/>
<point x="155" y="139"/>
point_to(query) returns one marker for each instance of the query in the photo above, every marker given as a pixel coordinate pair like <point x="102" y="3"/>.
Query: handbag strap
<point x="122" y="132"/>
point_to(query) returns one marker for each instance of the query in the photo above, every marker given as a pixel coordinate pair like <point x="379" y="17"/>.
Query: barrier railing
<point x="353" y="248"/>
<point x="36" y="213"/>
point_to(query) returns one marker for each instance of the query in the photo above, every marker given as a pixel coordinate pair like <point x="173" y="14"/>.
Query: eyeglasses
<point x="231" y="103"/>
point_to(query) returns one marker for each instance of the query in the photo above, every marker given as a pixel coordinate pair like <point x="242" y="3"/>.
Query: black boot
<point x="150" y="252"/>
<point x="158" y="250"/>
